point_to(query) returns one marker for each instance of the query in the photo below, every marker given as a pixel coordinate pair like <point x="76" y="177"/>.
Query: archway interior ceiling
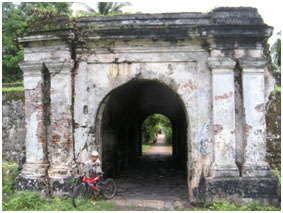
<point x="144" y="98"/>
<point x="126" y="109"/>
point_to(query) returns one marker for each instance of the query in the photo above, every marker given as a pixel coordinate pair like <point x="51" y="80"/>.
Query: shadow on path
<point x="156" y="180"/>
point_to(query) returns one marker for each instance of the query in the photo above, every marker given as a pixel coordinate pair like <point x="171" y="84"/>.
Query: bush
<point x="256" y="206"/>
<point x="23" y="202"/>
<point x="30" y="201"/>
<point x="157" y="123"/>
<point x="9" y="174"/>
<point x="13" y="89"/>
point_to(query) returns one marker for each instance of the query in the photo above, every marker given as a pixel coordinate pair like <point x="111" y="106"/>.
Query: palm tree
<point x="105" y="8"/>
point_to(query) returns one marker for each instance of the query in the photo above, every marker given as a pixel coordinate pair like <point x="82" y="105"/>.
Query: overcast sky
<point x="270" y="10"/>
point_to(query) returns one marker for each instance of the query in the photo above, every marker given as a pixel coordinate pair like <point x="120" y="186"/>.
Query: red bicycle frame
<point x="90" y="181"/>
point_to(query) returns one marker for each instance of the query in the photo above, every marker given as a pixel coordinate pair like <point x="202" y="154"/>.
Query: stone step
<point x="155" y="204"/>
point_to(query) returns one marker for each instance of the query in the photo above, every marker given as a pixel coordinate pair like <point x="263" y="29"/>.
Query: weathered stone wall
<point x="13" y="126"/>
<point x="273" y="133"/>
<point x="107" y="74"/>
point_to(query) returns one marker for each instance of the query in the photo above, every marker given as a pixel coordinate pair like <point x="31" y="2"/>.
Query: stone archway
<point x="118" y="121"/>
<point x="208" y="59"/>
<point x="128" y="105"/>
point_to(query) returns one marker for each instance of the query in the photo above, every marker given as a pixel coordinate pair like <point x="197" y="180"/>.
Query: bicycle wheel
<point x="109" y="188"/>
<point x="79" y="196"/>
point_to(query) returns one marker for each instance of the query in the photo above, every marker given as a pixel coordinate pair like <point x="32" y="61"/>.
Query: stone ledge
<point x="221" y="63"/>
<point x="39" y="184"/>
<point x="246" y="63"/>
<point x="232" y="22"/>
<point x="242" y="190"/>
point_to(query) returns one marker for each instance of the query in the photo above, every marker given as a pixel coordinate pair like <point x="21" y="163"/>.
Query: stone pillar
<point x="254" y="114"/>
<point x="62" y="156"/>
<point x="33" y="175"/>
<point x="223" y="103"/>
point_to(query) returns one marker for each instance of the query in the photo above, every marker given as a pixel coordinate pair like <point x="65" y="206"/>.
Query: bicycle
<point x="86" y="186"/>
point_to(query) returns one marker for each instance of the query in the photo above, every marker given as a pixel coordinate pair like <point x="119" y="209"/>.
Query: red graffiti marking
<point x="224" y="96"/>
<point x="218" y="145"/>
<point x="189" y="87"/>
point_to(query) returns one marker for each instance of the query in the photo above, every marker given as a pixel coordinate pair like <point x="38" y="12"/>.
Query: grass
<point x="278" y="173"/>
<point x="146" y="147"/>
<point x="226" y="206"/>
<point x="13" y="89"/>
<point x="12" y="83"/>
<point x="30" y="201"/>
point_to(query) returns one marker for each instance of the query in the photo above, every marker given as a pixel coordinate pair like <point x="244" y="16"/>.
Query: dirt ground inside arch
<point x="156" y="182"/>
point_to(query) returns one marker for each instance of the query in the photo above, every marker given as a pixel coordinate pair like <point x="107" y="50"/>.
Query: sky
<point x="270" y="10"/>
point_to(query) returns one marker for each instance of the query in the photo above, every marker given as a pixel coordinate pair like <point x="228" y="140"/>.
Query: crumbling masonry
<point x="91" y="82"/>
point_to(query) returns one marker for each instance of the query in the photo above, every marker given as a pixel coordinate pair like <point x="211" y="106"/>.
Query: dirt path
<point x="159" y="149"/>
<point x="156" y="181"/>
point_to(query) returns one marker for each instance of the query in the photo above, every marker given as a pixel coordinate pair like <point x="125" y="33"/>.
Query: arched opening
<point x="119" y="127"/>
<point x="157" y="135"/>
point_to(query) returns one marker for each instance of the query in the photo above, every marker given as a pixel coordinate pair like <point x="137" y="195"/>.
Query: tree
<point x="103" y="8"/>
<point x="14" y="21"/>
<point x="106" y="8"/>
<point x="157" y="123"/>
<point x="276" y="54"/>
<point x="13" y="24"/>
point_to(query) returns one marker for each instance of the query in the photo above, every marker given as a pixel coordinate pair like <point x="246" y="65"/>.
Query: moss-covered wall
<point x="273" y="133"/>
<point x="13" y="126"/>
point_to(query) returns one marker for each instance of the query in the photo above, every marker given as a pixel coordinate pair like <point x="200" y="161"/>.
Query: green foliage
<point x="30" y="201"/>
<point x="157" y="123"/>
<point x="278" y="89"/>
<point x="278" y="174"/>
<point x="106" y="8"/>
<point x="146" y="147"/>
<point x="13" y="89"/>
<point x="15" y="17"/>
<point x="226" y="206"/>
<point x="23" y="202"/>
<point x="278" y="50"/>
<point x="13" y="83"/>
<point x="9" y="174"/>
<point x="275" y="51"/>
<point x="103" y="9"/>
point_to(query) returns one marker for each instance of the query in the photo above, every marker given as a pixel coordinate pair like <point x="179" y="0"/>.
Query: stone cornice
<point x="220" y="63"/>
<point x="221" y="22"/>
<point x="62" y="67"/>
<point x="31" y="67"/>
<point x="252" y="63"/>
<point x="67" y="35"/>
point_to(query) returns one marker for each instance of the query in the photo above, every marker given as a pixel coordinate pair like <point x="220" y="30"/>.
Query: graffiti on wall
<point x="203" y="139"/>
<point x="188" y="87"/>
<point x="224" y="96"/>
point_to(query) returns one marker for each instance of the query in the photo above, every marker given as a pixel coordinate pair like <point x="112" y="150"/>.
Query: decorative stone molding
<point x="254" y="111"/>
<point x="223" y="117"/>
<point x="252" y="63"/>
<point x="59" y="67"/>
<point x="62" y="156"/>
<point x="35" y="167"/>
<point x="220" y="63"/>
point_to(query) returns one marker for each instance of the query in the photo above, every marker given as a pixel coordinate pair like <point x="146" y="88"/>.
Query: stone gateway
<point x="90" y="83"/>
